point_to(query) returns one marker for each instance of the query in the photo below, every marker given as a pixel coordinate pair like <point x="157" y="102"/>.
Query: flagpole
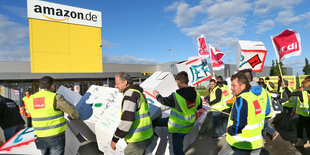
<point x="280" y="70"/>
<point x="211" y="62"/>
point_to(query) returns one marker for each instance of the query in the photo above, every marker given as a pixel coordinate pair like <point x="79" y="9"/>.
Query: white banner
<point x="63" y="13"/>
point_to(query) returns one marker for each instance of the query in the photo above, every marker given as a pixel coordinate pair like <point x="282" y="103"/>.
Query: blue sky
<point x="142" y="31"/>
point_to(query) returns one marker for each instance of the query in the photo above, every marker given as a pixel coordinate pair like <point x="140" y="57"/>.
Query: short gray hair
<point x="124" y="76"/>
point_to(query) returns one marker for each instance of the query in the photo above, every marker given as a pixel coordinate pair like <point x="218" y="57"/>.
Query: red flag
<point x="202" y="47"/>
<point x="216" y="58"/>
<point x="286" y="44"/>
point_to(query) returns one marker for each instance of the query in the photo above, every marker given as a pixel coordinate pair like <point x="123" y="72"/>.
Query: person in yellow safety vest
<point x="267" y="126"/>
<point x="246" y="119"/>
<point x="26" y="99"/>
<point x="225" y="89"/>
<point x="217" y="105"/>
<point x="270" y="85"/>
<point x="184" y="103"/>
<point x="288" y="104"/>
<point x="303" y="110"/>
<point x="135" y="125"/>
<point x="47" y="111"/>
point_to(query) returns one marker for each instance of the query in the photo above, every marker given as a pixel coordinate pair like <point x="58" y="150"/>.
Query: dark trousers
<point x="286" y="122"/>
<point x="219" y="124"/>
<point x="29" y="123"/>
<point x="303" y="122"/>
<point x="51" y="145"/>
<point x="177" y="138"/>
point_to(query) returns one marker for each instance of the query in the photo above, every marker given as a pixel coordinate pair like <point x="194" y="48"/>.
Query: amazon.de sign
<point x="63" y="13"/>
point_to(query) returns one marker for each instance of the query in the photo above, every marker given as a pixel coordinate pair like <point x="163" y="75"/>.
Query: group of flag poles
<point x="252" y="53"/>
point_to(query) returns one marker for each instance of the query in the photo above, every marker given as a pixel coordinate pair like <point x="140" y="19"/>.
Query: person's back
<point x="10" y="119"/>
<point x="47" y="111"/>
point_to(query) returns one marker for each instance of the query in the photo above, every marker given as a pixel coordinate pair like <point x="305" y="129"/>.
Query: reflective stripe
<point x="182" y="117"/>
<point x="50" y="127"/>
<point x="303" y="110"/>
<point x="47" y="118"/>
<point x="131" y="131"/>
<point x="218" y="106"/>
<point x="180" y="126"/>
<point x="228" y="98"/>
<point x="288" y="103"/>
<point x="253" y="126"/>
<point x="243" y="139"/>
<point x="142" y="115"/>
<point x="303" y="105"/>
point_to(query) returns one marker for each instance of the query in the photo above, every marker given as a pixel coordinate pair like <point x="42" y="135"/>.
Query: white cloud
<point x="228" y="8"/>
<point x="266" y="6"/>
<point x="264" y="26"/>
<point x="229" y="52"/>
<point x="219" y="31"/>
<point x="185" y="14"/>
<point x="13" y="41"/>
<point x="21" y="12"/>
<point x="107" y="44"/>
<point x="287" y="17"/>
<point x="295" y="62"/>
<point x="229" y="60"/>
<point x="107" y="58"/>
<point x="18" y="53"/>
<point x="12" y="33"/>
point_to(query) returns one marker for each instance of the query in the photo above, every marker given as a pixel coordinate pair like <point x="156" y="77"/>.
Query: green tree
<point x="306" y="69"/>
<point x="274" y="71"/>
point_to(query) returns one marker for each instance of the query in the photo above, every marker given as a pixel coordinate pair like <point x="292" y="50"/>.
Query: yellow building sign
<point x="64" y="39"/>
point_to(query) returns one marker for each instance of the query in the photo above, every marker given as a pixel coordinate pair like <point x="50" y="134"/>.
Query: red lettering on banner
<point x="292" y="83"/>
<point x="190" y="104"/>
<point x="225" y="92"/>
<point x="258" y="110"/>
<point x="39" y="103"/>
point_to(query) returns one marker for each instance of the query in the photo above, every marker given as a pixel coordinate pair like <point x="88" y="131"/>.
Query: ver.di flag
<point x="216" y="58"/>
<point x="202" y="47"/>
<point x="286" y="44"/>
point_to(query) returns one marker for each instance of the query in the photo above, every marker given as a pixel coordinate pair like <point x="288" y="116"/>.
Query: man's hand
<point x="283" y="85"/>
<point x="155" y="93"/>
<point x="113" y="145"/>
<point x="207" y="104"/>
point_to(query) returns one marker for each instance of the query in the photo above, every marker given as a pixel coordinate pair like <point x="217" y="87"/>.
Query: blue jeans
<point x="217" y="122"/>
<point x="51" y="145"/>
<point x="229" y="150"/>
<point x="267" y="127"/>
<point x="177" y="138"/>
<point x="11" y="131"/>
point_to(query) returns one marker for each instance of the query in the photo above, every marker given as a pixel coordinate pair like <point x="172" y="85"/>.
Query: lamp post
<point x="171" y="64"/>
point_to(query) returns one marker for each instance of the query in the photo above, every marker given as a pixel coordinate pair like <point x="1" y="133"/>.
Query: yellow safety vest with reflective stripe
<point x="290" y="103"/>
<point x="141" y="129"/>
<point x="226" y="93"/>
<point x="26" y="99"/>
<point x="268" y="85"/>
<point x="45" y="120"/>
<point x="250" y="137"/>
<point x="219" y="106"/>
<point x="182" y="117"/>
<point x="303" y="108"/>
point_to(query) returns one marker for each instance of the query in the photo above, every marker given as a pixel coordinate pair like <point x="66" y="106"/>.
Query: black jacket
<point x="9" y="113"/>
<point x="189" y="93"/>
